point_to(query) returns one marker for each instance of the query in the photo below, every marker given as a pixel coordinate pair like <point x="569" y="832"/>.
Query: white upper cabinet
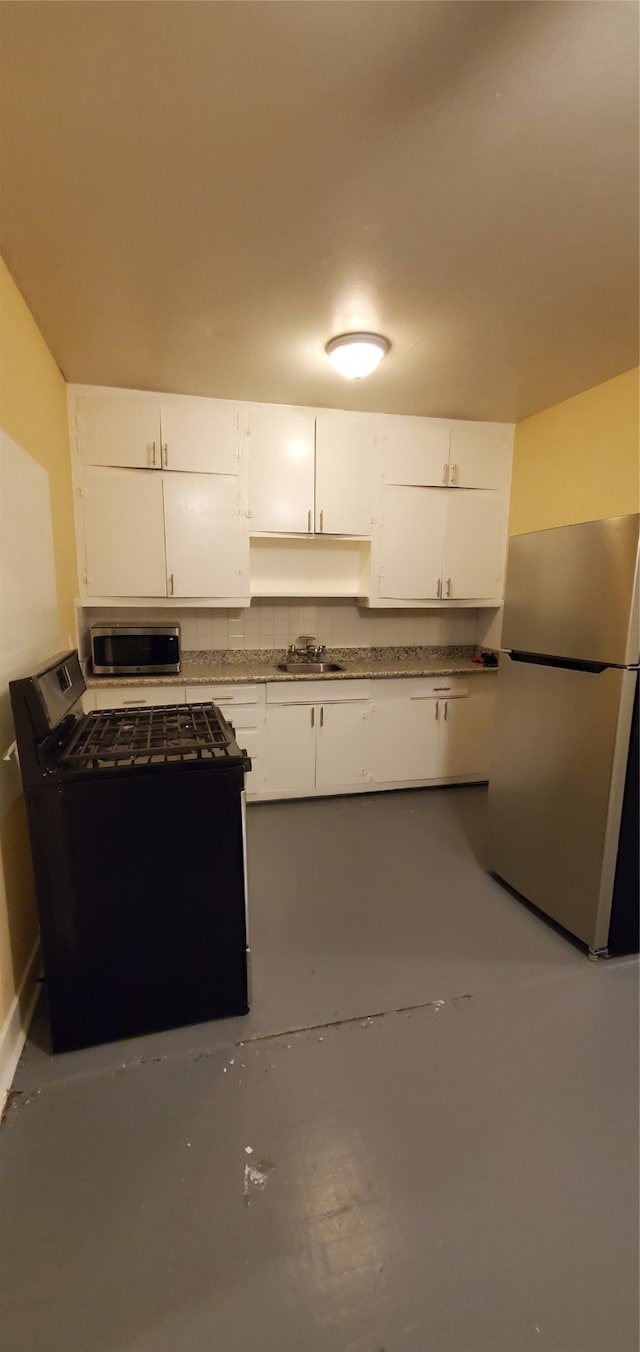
<point x="441" y="545"/>
<point x="200" y="435"/>
<point x="281" y="469"/>
<point x="310" y="476"/>
<point x="413" y="451"/>
<point x="474" y="546"/>
<point x="424" y="500"/>
<point x="345" y="451"/>
<point x="116" y="431"/>
<point x="123" y="533"/>
<point x="422" y="452"/>
<point x="206" y="536"/>
<point x="480" y="455"/>
<point x="412" y="542"/>
<point x="160" y="535"/>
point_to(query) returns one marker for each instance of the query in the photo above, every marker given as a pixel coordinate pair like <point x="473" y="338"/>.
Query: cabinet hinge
<point x="237" y="453"/>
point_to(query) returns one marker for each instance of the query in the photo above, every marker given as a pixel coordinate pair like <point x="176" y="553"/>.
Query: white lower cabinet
<point x="316" y="746"/>
<point x="404" y="740"/>
<point x="313" y="737"/>
<point x="465" y="732"/>
<point x="290" y="749"/>
<point x="317" y="737"/>
<point x="343" y="735"/>
<point x="437" y="729"/>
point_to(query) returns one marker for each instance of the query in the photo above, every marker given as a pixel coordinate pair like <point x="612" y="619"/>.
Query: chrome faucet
<point x="305" y="649"/>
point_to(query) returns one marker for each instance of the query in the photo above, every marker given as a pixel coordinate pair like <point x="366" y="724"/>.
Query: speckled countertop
<point x="241" y="666"/>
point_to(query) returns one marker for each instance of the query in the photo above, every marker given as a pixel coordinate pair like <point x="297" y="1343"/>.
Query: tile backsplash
<point x="276" y="623"/>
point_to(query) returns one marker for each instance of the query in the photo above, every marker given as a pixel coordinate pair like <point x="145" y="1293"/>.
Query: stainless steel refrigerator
<point x="563" y="790"/>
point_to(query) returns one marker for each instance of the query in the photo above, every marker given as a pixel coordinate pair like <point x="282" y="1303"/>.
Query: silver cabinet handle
<point x="309" y="522"/>
<point x="437" y="710"/>
<point x="454" y="474"/>
<point x="446" y="706"/>
<point x="171" y="582"/>
<point x="164" y="455"/>
<point x="445" y="473"/>
<point x="439" y="588"/>
<point x="135" y="701"/>
<point x="152" y="449"/>
<point x="448" y="586"/>
<point x="436" y="687"/>
<point x="313" y="717"/>
<point x="321" y="715"/>
<point x="322" y="519"/>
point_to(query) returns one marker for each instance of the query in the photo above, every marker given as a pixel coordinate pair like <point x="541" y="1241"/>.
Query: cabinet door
<point x="200" y="435"/>
<point x="474" y="545"/>
<point x="343" y="744"/>
<point x="465" y="732"/>
<point x="413" y="452"/>
<point x="114" y="431"/>
<point x="124" y="532"/>
<point x="480" y="455"/>
<point x="344" y="474"/>
<point x="289" y="748"/>
<point x="281" y="470"/>
<point x="404" y="740"/>
<point x="412" y="542"/>
<point x="207" y="537"/>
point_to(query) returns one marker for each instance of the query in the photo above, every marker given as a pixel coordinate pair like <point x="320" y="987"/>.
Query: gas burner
<point x="162" y="735"/>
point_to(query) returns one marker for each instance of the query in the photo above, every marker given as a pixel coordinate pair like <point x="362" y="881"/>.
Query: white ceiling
<point x="196" y="196"/>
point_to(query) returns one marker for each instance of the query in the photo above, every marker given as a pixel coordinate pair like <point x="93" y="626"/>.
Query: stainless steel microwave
<point x="140" y="650"/>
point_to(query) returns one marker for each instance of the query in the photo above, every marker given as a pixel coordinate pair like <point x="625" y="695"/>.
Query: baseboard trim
<point x="16" y="1024"/>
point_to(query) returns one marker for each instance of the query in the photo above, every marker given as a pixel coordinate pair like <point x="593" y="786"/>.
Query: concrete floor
<point x="422" y="1139"/>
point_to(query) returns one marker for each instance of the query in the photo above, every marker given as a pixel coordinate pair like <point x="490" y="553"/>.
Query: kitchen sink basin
<point x="309" y="668"/>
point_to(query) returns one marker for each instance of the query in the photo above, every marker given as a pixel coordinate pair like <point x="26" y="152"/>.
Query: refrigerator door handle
<point x="566" y="663"/>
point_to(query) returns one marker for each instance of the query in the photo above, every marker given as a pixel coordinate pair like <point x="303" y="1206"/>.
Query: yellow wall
<point x="578" y="460"/>
<point x="33" y="411"/>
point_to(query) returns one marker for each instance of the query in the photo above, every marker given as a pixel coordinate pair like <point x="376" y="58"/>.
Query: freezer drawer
<point x="556" y="789"/>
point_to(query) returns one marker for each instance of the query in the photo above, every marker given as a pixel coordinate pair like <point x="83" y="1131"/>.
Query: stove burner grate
<point x="169" y="734"/>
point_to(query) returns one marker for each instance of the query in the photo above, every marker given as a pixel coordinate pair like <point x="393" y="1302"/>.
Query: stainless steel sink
<point x="308" y="668"/>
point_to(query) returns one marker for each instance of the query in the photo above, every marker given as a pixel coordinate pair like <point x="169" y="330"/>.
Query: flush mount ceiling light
<point x="356" y="355"/>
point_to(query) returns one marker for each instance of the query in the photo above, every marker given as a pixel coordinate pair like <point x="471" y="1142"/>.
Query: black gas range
<point x="137" y="828"/>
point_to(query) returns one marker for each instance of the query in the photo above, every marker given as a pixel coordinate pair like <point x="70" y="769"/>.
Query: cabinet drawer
<point x="126" y="697"/>
<point x="223" y="694"/>
<point x="316" y="692"/>
<point x="438" y="687"/>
